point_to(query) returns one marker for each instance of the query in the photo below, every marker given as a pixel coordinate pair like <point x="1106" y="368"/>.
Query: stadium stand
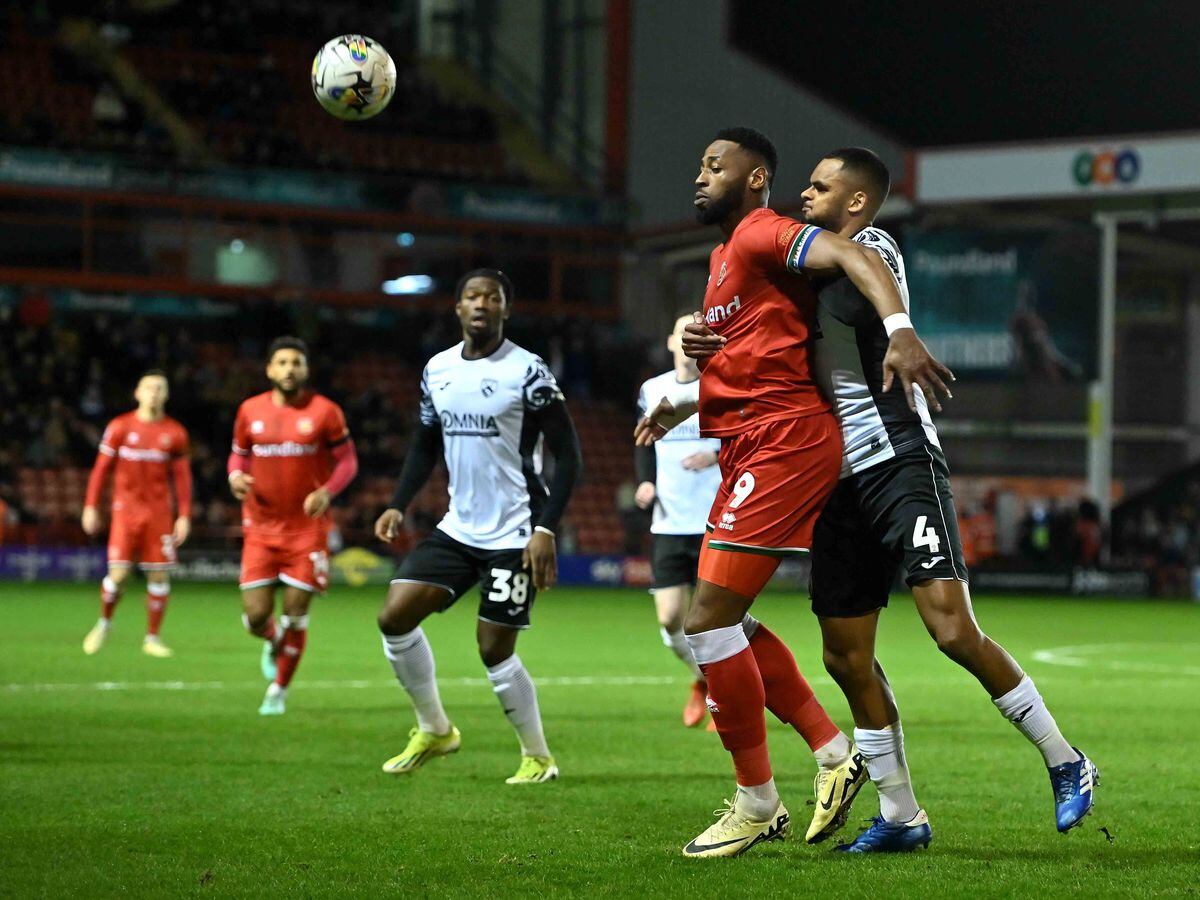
<point x="83" y="368"/>
<point x="1159" y="530"/>
<point x="224" y="71"/>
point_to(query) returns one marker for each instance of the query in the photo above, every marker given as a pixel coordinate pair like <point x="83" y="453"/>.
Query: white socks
<point x="757" y="801"/>
<point x="833" y="753"/>
<point x="883" y="749"/>
<point x="518" y="698"/>
<point x="721" y="643"/>
<point x="1024" y="707"/>
<point x="677" y="642"/>
<point x="412" y="661"/>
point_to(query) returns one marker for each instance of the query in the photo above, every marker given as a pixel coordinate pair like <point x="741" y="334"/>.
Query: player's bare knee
<point x="118" y="574"/>
<point x="406" y="607"/>
<point x="296" y="603"/>
<point x="714" y="607"/>
<point x="849" y="666"/>
<point x="394" y="619"/>
<point x="256" y="620"/>
<point x="496" y="645"/>
<point x="960" y="641"/>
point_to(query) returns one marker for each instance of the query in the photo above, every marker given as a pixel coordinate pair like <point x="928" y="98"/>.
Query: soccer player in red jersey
<point x="147" y="450"/>
<point x="292" y="454"/>
<point x="780" y="458"/>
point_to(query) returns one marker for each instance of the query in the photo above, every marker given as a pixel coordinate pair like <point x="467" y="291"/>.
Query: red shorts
<point x="142" y="538"/>
<point x="775" y="481"/>
<point x="300" y="560"/>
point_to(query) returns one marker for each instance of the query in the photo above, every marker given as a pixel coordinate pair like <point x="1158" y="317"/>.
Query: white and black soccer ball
<point x="353" y="77"/>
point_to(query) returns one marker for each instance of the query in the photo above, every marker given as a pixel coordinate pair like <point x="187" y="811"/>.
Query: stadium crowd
<point x="224" y="76"/>
<point x="78" y="370"/>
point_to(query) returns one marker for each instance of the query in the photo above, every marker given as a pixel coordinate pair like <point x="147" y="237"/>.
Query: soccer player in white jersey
<point x="679" y="478"/>
<point x="486" y="405"/>
<point x="892" y="509"/>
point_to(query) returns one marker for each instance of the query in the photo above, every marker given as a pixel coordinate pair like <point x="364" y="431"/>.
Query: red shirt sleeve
<point x="100" y="469"/>
<point x="106" y="458"/>
<point x="181" y="470"/>
<point x="777" y="242"/>
<point x="335" y="429"/>
<point x="241" y="432"/>
<point x="114" y="436"/>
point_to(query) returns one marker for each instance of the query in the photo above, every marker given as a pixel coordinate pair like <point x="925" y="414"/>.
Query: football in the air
<point x="353" y="77"/>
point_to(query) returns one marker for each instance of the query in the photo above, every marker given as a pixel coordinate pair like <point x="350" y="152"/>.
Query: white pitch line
<point x="352" y="684"/>
<point x="1085" y="656"/>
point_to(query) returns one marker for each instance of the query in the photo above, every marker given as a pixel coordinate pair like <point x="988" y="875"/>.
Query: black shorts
<point x="897" y="514"/>
<point x="674" y="559"/>
<point x="506" y="591"/>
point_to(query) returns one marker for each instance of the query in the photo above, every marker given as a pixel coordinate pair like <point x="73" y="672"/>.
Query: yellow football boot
<point x="734" y="833"/>
<point x="422" y="747"/>
<point x="95" y="638"/>
<point x="835" y="790"/>
<point x="534" y="770"/>
<point x="152" y="645"/>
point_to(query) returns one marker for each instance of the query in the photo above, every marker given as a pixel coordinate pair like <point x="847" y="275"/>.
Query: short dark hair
<point x="506" y="285"/>
<point x="867" y="165"/>
<point x="287" y="342"/>
<point x="755" y="142"/>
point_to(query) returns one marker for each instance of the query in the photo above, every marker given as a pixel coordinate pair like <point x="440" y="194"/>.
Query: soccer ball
<point x="353" y="77"/>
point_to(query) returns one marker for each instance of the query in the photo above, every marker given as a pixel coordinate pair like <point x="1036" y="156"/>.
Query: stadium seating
<point x="228" y="88"/>
<point x="378" y="391"/>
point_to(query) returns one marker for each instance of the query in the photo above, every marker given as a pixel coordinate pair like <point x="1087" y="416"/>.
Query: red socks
<point x="157" y="596"/>
<point x="109" y="595"/>
<point x="268" y="632"/>
<point x="788" y="694"/>
<point x="291" y="648"/>
<point x="737" y="701"/>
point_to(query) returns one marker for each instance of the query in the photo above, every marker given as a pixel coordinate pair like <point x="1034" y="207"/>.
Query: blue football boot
<point x="1074" y="791"/>
<point x="891" y="837"/>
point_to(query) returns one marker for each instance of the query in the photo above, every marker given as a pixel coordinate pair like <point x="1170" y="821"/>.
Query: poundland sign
<point x="1060" y="169"/>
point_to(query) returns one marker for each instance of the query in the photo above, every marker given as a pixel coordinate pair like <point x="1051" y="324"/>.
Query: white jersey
<point x="493" y="446"/>
<point x="683" y="498"/>
<point x="849" y="364"/>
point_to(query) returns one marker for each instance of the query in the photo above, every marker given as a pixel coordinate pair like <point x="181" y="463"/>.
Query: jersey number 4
<point x="925" y="537"/>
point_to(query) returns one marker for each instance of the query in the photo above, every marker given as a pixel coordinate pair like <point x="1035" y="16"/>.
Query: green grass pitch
<point x="122" y="774"/>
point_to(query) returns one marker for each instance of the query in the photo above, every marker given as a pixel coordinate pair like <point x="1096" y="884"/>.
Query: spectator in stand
<point x="1089" y="535"/>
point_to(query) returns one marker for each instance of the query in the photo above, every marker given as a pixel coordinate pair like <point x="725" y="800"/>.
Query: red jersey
<point x="290" y="450"/>
<point x="145" y="454"/>
<point x="759" y="300"/>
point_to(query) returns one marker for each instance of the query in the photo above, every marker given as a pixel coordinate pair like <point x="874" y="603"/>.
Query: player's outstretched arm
<point x="661" y="419"/>
<point x="90" y="519"/>
<point x="241" y="482"/>
<point x="907" y="356"/>
<point x="181" y="472"/>
<point x="422" y="456"/>
<point x="645" y="465"/>
<point x="541" y="555"/>
<point x="345" y="467"/>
